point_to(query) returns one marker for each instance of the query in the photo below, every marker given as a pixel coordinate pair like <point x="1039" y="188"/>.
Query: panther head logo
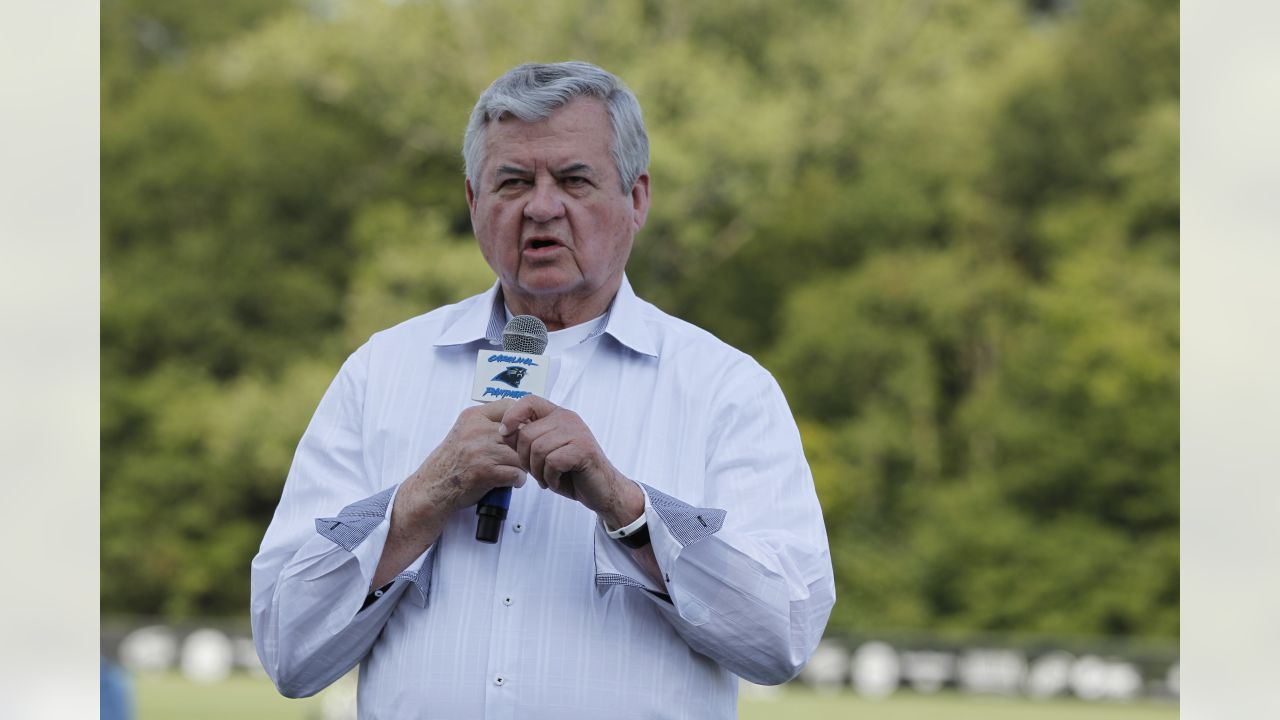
<point x="511" y="376"/>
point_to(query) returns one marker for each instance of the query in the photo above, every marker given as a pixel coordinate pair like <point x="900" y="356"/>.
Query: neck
<point x="558" y="312"/>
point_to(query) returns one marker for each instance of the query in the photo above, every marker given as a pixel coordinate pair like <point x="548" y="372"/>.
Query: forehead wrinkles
<point x="579" y="132"/>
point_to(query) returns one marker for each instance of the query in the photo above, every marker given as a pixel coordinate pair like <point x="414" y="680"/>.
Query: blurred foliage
<point x="949" y="227"/>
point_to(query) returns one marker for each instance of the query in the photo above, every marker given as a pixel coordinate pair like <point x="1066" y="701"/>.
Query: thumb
<point x="524" y="411"/>
<point x="496" y="409"/>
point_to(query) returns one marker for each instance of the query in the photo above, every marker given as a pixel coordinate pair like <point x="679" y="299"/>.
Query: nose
<point x="545" y="203"/>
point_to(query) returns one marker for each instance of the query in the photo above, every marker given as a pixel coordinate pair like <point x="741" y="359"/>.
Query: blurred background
<point x="967" y="211"/>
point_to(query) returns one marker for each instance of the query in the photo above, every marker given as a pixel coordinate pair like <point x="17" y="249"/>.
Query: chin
<point x="548" y="283"/>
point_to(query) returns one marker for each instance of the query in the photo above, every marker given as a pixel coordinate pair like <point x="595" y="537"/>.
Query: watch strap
<point x="635" y="535"/>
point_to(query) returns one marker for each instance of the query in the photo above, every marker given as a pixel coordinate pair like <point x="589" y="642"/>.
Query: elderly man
<point x="673" y="541"/>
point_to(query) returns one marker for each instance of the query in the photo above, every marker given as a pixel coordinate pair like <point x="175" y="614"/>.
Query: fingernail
<point x="502" y="429"/>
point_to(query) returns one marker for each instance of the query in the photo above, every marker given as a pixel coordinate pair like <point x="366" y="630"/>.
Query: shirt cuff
<point x="417" y="577"/>
<point x="353" y="525"/>
<point x="686" y="524"/>
<point x="356" y="521"/>
<point x="673" y="525"/>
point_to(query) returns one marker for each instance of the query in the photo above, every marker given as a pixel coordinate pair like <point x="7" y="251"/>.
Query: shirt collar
<point x="625" y="322"/>
<point x="485" y="318"/>
<point x="480" y="320"/>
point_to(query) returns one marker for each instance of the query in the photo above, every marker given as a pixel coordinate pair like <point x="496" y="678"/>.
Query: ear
<point x="640" y="201"/>
<point x="471" y="198"/>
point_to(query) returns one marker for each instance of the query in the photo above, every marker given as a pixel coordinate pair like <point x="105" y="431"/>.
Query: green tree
<point x="950" y="229"/>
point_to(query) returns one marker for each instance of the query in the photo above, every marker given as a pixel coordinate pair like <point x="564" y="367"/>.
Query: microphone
<point x="519" y="370"/>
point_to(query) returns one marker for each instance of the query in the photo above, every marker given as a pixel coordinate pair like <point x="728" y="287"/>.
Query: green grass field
<point x="167" y="696"/>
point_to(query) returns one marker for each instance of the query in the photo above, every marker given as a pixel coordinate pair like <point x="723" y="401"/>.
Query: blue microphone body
<point x="491" y="511"/>
<point x="525" y="334"/>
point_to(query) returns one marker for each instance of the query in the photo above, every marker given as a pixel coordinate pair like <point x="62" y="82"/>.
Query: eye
<point x="513" y="182"/>
<point x="576" y="181"/>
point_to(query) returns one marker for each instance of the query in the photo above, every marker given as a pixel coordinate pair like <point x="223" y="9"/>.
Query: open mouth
<point x="539" y="244"/>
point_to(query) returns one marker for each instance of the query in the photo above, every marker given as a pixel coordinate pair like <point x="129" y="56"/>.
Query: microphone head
<point x="526" y="334"/>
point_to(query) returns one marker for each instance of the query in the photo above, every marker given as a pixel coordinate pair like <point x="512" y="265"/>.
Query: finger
<point x="500" y="454"/>
<point x="507" y="456"/>
<point x="559" y="470"/>
<point x="523" y="411"/>
<point x="536" y="441"/>
<point x="537" y="449"/>
<point x="554" y="480"/>
<point x="545" y="447"/>
<point x="508" y="476"/>
<point x="525" y="438"/>
<point x="496" y="409"/>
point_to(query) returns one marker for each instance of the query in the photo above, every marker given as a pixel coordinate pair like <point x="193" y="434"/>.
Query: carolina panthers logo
<point x="511" y="376"/>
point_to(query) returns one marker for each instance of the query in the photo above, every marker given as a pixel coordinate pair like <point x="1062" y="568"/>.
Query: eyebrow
<point x="518" y="171"/>
<point x="510" y="170"/>
<point x="575" y="168"/>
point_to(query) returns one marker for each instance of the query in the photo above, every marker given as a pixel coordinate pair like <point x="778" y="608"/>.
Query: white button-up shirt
<point x="556" y="620"/>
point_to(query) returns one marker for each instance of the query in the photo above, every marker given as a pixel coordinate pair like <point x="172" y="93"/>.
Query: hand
<point x="470" y="461"/>
<point x="558" y="449"/>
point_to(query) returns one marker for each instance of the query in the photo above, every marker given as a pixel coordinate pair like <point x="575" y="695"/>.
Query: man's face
<point x="548" y="213"/>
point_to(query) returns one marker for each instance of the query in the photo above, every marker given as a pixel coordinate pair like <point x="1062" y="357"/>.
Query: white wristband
<point x="624" y="532"/>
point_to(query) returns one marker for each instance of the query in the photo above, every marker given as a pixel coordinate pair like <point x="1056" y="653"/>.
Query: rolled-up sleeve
<point x="748" y="573"/>
<point x="313" y="570"/>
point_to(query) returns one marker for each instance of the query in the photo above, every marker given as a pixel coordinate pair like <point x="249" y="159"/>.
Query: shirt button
<point x="499" y="680"/>
<point x="506" y="601"/>
<point x="518" y="527"/>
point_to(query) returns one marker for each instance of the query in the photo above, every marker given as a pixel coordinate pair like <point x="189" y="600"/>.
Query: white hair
<point x="531" y="92"/>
